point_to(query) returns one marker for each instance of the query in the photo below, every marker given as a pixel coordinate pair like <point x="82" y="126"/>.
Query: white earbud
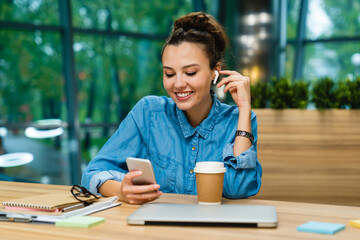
<point x="216" y="76"/>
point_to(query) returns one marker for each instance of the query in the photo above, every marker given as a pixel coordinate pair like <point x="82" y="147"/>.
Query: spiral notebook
<point x="49" y="201"/>
<point x="28" y="207"/>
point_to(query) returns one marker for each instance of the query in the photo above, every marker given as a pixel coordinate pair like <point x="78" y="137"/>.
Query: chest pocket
<point x="165" y="170"/>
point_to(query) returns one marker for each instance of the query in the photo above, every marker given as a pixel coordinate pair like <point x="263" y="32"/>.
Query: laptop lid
<point x="190" y="214"/>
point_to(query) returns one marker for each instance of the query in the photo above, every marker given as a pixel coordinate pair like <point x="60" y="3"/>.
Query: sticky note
<point x="80" y="221"/>
<point x="320" y="227"/>
<point x="355" y="223"/>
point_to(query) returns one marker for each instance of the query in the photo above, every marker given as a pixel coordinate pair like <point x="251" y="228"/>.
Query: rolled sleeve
<point x="243" y="176"/>
<point x="99" y="178"/>
<point x="246" y="160"/>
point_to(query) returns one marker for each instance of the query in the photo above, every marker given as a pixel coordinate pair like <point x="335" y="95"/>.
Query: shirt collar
<point x="206" y="126"/>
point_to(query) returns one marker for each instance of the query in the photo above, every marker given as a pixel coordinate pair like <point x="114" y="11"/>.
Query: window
<point x="117" y="58"/>
<point x="30" y="11"/>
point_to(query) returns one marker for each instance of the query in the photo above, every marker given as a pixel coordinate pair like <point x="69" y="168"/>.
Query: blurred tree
<point x="31" y="78"/>
<point x="293" y="9"/>
<point x="333" y="59"/>
<point x="31" y="84"/>
<point x="344" y="16"/>
<point x="30" y="11"/>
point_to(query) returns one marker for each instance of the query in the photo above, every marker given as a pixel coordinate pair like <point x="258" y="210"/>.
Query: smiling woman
<point x="191" y="126"/>
<point x="187" y="80"/>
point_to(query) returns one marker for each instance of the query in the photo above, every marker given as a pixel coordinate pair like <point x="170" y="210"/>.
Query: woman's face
<point x="187" y="76"/>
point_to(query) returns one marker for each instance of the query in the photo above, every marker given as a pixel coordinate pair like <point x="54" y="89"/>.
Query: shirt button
<point x="191" y="171"/>
<point x="193" y="148"/>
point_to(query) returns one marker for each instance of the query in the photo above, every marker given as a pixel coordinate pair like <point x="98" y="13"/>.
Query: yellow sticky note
<point x="355" y="223"/>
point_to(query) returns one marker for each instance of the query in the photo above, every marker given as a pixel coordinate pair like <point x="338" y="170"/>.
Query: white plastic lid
<point x="209" y="167"/>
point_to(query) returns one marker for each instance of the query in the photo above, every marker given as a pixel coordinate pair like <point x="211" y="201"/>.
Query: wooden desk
<point x="290" y="215"/>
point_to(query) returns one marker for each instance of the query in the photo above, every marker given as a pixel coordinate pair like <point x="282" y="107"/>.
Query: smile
<point x="183" y="95"/>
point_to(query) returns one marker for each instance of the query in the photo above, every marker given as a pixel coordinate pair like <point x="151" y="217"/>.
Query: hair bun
<point x="197" y="21"/>
<point x="204" y="23"/>
<point x="203" y="29"/>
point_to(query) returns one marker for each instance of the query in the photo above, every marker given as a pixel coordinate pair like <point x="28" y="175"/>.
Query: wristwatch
<point x="245" y="134"/>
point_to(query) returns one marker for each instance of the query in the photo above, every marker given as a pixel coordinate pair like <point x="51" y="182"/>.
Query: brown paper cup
<point x="209" y="182"/>
<point x="209" y="188"/>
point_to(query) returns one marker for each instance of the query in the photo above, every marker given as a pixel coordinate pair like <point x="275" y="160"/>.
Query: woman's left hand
<point x="239" y="87"/>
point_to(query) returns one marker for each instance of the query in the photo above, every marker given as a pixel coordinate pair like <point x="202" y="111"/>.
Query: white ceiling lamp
<point x="32" y="132"/>
<point x="250" y="19"/>
<point x="355" y="59"/>
<point x="262" y="34"/>
<point x="15" y="159"/>
<point x="3" y="131"/>
<point x="50" y="121"/>
<point x="264" y="18"/>
<point x="255" y="19"/>
<point x="247" y="40"/>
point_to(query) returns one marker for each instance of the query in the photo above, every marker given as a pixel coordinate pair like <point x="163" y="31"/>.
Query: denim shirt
<point x="157" y="130"/>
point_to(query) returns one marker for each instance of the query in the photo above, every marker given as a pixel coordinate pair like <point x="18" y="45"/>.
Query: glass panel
<point x="289" y="62"/>
<point x="31" y="86"/>
<point x="153" y="17"/>
<point x="93" y="138"/>
<point x="113" y="74"/>
<point x="30" y="11"/>
<point x="293" y="10"/>
<point x="50" y="158"/>
<point x="32" y="89"/>
<point x="330" y="59"/>
<point x="331" y="18"/>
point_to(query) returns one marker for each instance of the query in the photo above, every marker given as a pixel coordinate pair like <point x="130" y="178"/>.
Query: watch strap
<point x="246" y="134"/>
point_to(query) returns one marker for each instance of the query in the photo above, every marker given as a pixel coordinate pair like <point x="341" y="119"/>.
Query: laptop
<point x="203" y="215"/>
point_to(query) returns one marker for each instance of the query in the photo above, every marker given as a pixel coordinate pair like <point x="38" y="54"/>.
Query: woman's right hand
<point x="137" y="194"/>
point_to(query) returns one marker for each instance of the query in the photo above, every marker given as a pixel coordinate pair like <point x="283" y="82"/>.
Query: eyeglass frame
<point x="86" y="193"/>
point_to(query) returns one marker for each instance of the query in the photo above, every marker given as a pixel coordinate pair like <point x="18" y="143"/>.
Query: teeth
<point x="183" y="94"/>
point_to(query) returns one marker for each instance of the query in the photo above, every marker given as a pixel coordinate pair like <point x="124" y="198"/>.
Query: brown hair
<point x="200" y="28"/>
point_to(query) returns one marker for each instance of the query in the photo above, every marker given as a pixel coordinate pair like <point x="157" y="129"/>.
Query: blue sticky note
<point x="320" y="227"/>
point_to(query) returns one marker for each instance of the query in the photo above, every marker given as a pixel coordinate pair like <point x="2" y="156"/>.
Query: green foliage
<point x="354" y="96"/>
<point x="300" y="94"/>
<point x="342" y="94"/>
<point x="259" y="95"/>
<point x="281" y="93"/>
<point x="113" y="73"/>
<point x="324" y="93"/>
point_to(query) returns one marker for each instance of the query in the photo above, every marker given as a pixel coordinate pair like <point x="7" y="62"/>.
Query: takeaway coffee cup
<point x="209" y="181"/>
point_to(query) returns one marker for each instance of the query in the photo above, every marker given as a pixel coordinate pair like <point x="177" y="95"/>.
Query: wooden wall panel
<point x="310" y="155"/>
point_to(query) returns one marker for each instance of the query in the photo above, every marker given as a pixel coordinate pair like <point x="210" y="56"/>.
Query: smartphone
<point x="145" y="166"/>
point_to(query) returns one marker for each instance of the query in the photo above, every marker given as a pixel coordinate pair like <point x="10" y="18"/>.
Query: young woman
<point x="190" y="126"/>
